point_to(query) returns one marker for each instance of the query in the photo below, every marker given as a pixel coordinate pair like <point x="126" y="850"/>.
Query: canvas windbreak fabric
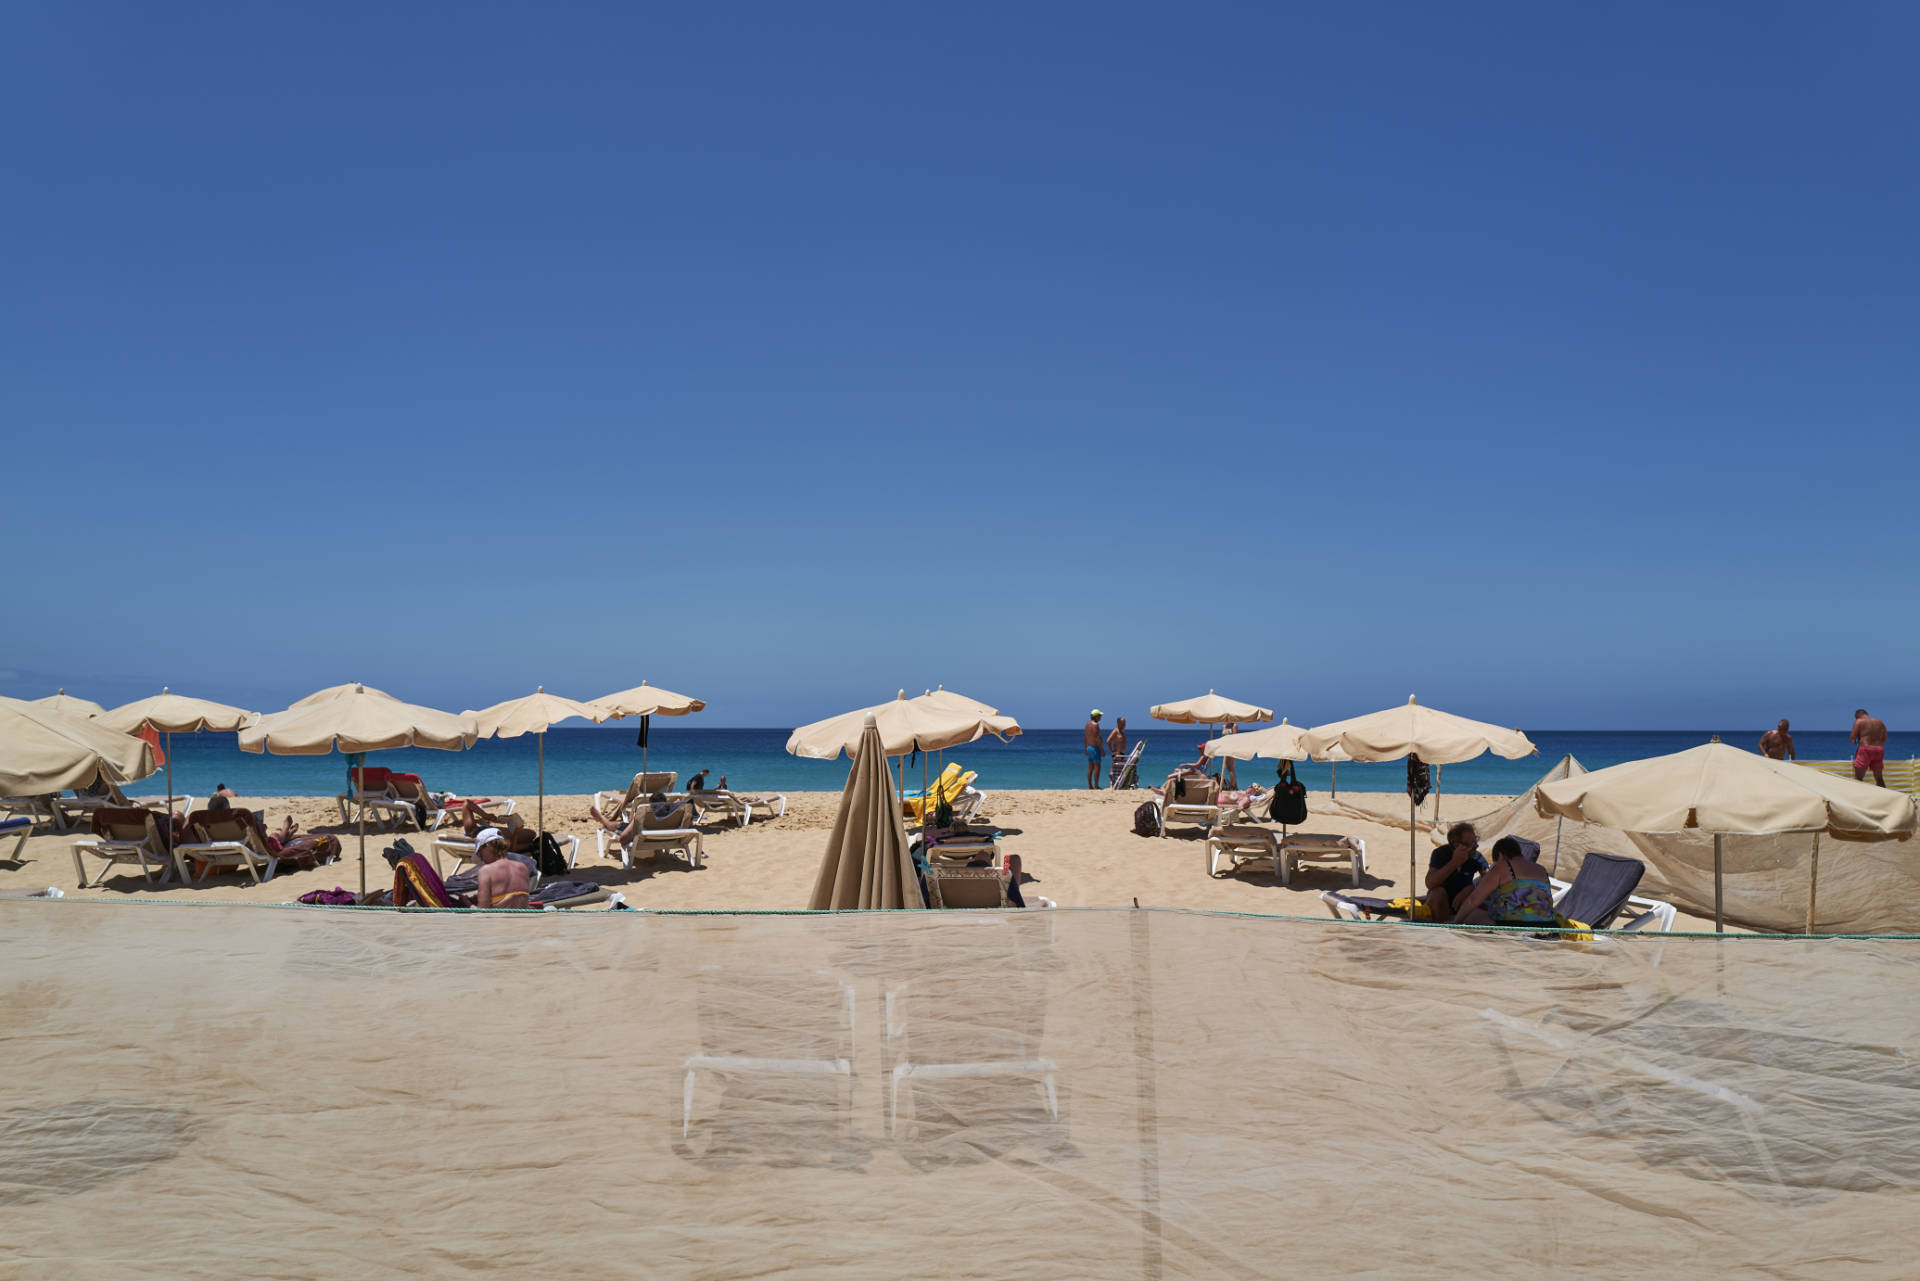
<point x="1036" y="1094"/>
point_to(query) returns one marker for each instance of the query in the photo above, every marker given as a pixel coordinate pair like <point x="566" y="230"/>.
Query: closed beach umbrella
<point x="533" y="714"/>
<point x="1436" y="737"/>
<point x="1210" y="709"/>
<point x="170" y="713"/>
<point x="67" y="705"/>
<point x="1726" y="791"/>
<point x="357" y="720"/>
<point x="647" y="701"/>
<point x="42" y="752"/>
<point x="867" y="864"/>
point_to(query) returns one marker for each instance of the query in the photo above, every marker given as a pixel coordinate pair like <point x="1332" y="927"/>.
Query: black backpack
<point x="546" y="852"/>
<point x="1289" y="804"/>
<point x="1146" y="820"/>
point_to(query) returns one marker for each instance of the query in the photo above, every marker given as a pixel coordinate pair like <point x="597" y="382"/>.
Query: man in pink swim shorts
<point x="1869" y="746"/>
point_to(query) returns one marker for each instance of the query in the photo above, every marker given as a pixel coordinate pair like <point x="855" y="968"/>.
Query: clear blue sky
<point x="1559" y="363"/>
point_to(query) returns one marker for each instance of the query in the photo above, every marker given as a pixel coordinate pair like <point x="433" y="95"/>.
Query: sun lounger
<point x="460" y="849"/>
<point x="1126" y="773"/>
<point x="1239" y="845"/>
<point x="20" y="829"/>
<point x="1603" y="889"/>
<point x="925" y="1041"/>
<point x="781" y="1023"/>
<point x="126" y="836"/>
<point x="674" y="832"/>
<point x="34" y="809"/>
<point x="225" y="838"/>
<point x="952" y="784"/>
<point x="1320" y="847"/>
<point x="738" y="804"/>
<point x="365" y="783"/>
<point x="70" y="810"/>
<point x="1186" y="799"/>
<point x="966" y="887"/>
<point x="616" y="804"/>
<point x="405" y="801"/>
<point x="454" y="808"/>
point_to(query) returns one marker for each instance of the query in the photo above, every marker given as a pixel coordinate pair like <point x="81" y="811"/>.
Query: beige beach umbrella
<point x="533" y="714"/>
<point x="867" y="864"/>
<point x="647" y="701"/>
<point x="904" y="725"/>
<point x="1436" y="737"/>
<point x="358" y="720"/>
<point x="945" y="699"/>
<point x="1282" y="742"/>
<point x="1210" y="709"/>
<point x="335" y="691"/>
<point x="170" y="713"/>
<point x="43" y="752"/>
<point x="67" y="705"/>
<point x="1726" y="791"/>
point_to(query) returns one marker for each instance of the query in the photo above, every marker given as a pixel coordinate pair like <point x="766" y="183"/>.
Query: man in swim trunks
<point x="503" y="881"/>
<point x="1116" y="750"/>
<point x="1092" y="736"/>
<point x="1777" y="745"/>
<point x="1869" y="746"/>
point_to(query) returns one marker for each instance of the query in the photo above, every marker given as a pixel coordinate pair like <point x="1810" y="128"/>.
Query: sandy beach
<point x="1078" y="849"/>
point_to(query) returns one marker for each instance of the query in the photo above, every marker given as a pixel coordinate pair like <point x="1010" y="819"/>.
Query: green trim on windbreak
<point x="586" y="911"/>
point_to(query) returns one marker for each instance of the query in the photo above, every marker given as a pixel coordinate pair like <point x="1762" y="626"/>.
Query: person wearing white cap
<point x="1092" y="736"/>
<point x="504" y="882"/>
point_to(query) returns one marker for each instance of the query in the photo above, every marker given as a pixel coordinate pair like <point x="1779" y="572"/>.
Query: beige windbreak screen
<point x="248" y="1092"/>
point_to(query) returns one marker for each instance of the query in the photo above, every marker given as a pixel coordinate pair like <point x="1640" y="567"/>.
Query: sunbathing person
<point x="1514" y="891"/>
<point x="474" y="819"/>
<point x="504" y="882"/>
<point x="662" y="809"/>
<point x="1451" y="869"/>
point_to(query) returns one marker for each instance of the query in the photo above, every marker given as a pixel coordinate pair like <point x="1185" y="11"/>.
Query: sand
<point x="1077" y="847"/>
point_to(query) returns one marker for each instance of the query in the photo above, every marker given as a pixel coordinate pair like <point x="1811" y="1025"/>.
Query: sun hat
<point x="487" y="836"/>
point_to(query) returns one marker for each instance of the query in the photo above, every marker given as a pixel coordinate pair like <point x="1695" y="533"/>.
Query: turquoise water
<point x="592" y="758"/>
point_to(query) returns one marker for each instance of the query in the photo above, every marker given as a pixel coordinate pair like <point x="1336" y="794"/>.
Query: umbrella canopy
<point x="946" y="698"/>
<point x="648" y="700"/>
<point x="334" y="691"/>
<point x="1436" y="737"/>
<point x="1281" y="742"/>
<point x="42" y="752"/>
<point x="1209" y="709"/>
<point x="1722" y="789"/>
<point x="172" y="713"/>
<point x="359" y="720"/>
<point x="867" y="864"/>
<point x="533" y="714"/>
<point x="67" y="705"/>
<point x="904" y="725"/>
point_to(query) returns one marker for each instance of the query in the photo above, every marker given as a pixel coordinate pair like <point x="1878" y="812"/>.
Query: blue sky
<point x="1556" y="363"/>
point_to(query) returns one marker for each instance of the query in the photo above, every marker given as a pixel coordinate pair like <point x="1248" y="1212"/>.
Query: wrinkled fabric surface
<point x="252" y="1092"/>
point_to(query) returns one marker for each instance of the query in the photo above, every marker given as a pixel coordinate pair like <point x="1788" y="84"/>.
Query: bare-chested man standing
<point x="1116" y="751"/>
<point x="1092" y="737"/>
<point x="1776" y="744"/>
<point x="1869" y="746"/>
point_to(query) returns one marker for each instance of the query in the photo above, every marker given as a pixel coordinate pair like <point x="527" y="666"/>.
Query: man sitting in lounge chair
<point x="504" y="882"/>
<point x="662" y="809"/>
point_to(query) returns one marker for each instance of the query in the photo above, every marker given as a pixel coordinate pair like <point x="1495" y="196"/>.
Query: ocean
<point x="593" y="758"/>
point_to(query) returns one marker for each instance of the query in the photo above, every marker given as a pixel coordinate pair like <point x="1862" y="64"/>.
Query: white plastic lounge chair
<point x="73" y="811"/>
<point x="1126" y="773"/>
<point x="225" y="838"/>
<point x="402" y="802"/>
<point x="1319" y="847"/>
<point x="460" y="849"/>
<point x="616" y="804"/>
<point x="925" y="1041"/>
<point x="1238" y="846"/>
<point x="966" y="807"/>
<point x="1195" y="802"/>
<point x="781" y="1023"/>
<point x="127" y="839"/>
<point x="674" y="832"/>
<point x="738" y="805"/>
<point x="34" y="809"/>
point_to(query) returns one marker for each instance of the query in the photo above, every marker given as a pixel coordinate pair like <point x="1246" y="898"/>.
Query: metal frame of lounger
<point x="1241" y="845"/>
<point x="842" y="1012"/>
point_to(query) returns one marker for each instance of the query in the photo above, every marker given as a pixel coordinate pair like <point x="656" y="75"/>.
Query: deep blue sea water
<point x="589" y="759"/>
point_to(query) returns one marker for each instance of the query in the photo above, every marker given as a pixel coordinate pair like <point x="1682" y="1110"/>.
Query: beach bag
<point x="1146" y="820"/>
<point x="1289" y="804"/>
<point x="546" y="852"/>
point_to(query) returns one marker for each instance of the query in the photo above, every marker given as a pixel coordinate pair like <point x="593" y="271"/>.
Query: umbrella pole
<point x="1438" y="770"/>
<point x="540" y="806"/>
<point x="1413" y="853"/>
<point x="169" y="779"/>
<point x="1813" y="882"/>
<point x="1559" y="825"/>
<point x="1335" y="793"/>
<point x="1719" y="915"/>
<point x="363" y="849"/>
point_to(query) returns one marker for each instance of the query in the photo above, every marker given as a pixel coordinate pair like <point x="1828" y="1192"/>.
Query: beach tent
<point x="43" y="752"/>
<point x="867" y="863"/>
<point x="647" y="701"/>
<point x="1436" y="737"/>
<point x="67" y="705"/>
<point x="357" y="720"/>
<point x="534" y="714"/>
<point x="170" y="713"/>
<point x="1721" y="791"/>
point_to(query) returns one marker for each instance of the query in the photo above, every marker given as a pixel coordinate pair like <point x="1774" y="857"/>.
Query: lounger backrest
<point x="1601" y="889"/>
<point x="681" y="817"/>
<point x="407" y="787"/>
<point x="134" y="825"/>
<point x="228" y="825"/>
<point x="370" y="779"/>
<point x="966" y="887"/>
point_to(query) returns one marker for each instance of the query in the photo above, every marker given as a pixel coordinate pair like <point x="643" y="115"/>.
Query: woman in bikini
<point x="1514" y="891"/>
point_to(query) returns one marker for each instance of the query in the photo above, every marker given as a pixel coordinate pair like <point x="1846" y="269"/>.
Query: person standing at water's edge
<point x="1092" y="736"/>
<point x="1116" y="750"/>
<point x="1869" y="739"/>
<point x="1777" y="744"/>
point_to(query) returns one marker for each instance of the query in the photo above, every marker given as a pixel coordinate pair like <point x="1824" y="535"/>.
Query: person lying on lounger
<point x="662" y="809"/>
<point x="474" y="819"/>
